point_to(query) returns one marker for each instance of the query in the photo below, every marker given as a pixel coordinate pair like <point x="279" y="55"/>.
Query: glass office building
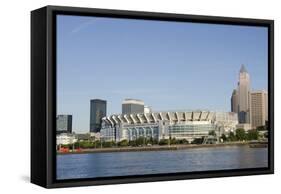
<point x="97" y="112"/>
<point x="64" y="123"/>
<point x="191" y="131"/>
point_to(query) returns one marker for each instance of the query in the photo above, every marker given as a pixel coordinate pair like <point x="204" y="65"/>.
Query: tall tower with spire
<point x="243" y="91"/>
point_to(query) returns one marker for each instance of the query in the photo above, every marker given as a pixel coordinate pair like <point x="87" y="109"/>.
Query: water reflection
<point x="139" y="163"/>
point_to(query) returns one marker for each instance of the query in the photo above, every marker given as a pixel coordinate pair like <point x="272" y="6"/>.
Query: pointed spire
<point x="243" y="69"/>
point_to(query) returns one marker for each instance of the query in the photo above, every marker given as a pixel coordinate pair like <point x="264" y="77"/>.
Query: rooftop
<point x="132" y="101"/>
<point x="243" y="69"/>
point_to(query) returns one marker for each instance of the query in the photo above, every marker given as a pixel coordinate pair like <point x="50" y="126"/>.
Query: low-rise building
<point x="95" y="136"/>
<point x="66" y="138"/>
<point x="245" y="126"/>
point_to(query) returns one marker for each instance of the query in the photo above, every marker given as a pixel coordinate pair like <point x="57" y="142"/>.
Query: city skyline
<point x="174" y="76"/>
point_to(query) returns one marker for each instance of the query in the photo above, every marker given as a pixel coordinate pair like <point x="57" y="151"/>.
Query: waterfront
<point x="90" y="165"/>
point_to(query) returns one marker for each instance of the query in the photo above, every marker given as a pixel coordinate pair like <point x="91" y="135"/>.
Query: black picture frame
<point x="43" y="95"/>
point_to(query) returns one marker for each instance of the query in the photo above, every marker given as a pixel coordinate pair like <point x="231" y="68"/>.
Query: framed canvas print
<point x="126" y="96"/>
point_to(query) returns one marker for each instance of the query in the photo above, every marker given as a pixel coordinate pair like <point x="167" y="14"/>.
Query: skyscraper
<point x="97" y="112"/>
<point x="243" y="96"/>
<point x="130" y="106"/>
<point x="64" y="123"/>
<point x="234" y="101"/>
<point x="259" y="108"/>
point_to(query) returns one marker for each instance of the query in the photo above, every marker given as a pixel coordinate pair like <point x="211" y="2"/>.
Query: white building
<point x="227" y="121"/>
<point x="96" y="136"/>
<point x="245" y="126"/>
<point x="147" y="109"/>
<point x="66" y="138"/>
<point x="131" y="106"/>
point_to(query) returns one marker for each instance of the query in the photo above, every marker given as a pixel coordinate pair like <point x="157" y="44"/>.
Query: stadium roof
<point x="154" y="117"/>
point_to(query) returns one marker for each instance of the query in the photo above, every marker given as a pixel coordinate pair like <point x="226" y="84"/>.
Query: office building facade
<point x="64" y="124"/>
<point x="244" y="96"/>
<point x="97" y="112"/>
<point x="259" y="108"/>
<point x="132" y="106"/>
<point x="234" y="101"/>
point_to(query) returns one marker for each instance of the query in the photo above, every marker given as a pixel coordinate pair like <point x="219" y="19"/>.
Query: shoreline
<point x="161" y="148"/>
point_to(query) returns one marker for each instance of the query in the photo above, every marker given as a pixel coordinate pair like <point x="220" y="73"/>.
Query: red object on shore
<point x="62" y="149"/>
<point x="78" y="150"/>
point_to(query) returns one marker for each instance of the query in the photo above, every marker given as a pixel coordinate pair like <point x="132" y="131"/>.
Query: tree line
<point x="241" y="135"/>
<point x="238" y="135"/>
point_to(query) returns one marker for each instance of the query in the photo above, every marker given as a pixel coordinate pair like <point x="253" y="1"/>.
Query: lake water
<point x="93" y="165"/>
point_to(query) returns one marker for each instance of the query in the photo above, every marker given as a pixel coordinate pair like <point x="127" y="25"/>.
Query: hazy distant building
<point x="245" y="126"/>
<point x="64" y="123"/>
<point x="259" y="108"/>
<point x="234" y="101"/>
<point x="147" y="109"/>
<point x="130" y="106"/>
<point x="66" y="138"/>
<point x="266" y="106"/>
<point x="97" y="112"/>
<point x="243" y="96"/>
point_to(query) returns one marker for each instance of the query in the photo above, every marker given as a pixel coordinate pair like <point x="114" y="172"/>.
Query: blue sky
<point x="168" y="65"/>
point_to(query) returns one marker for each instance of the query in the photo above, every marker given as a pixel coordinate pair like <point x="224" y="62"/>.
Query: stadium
<point x="187" y="125"/>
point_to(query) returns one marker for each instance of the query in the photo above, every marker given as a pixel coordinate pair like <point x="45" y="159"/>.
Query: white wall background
<point x="15" y="94"/>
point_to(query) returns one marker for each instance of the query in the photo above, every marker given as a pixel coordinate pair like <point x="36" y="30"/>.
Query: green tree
<point x="213" y="133"/>
<point x="132" y="143"/>
<point x="77" y="144"/>
<point x="241" y="134"/>
<point x="261" y="128"/>
<point x="223" y="137"/>
<point x="163" y="142"/>
<point x="86" y="144"/>
<point x="149" y="140"/>
<point x="253" y="135"/>
<point x="140" y="141"/>
<point x="266" y="135"/>
<point x="197" y="141"/>
<point x="123" y="143"/>
<point x="173" y="141"/>
<point x="231" y="137"/>
<point x="107" y="144"/>
<point x="182" y="141"/>
<point x="97" y="144"/>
